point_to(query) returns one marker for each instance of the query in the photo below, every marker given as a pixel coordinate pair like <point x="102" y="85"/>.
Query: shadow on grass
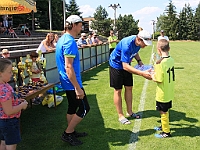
<point x="89" y="75"/>
<point x="41" y="129"/>
<point x="182" y="129"/>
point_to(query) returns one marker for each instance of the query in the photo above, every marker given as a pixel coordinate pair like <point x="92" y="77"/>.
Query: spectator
<point x="47" y="45"/>
<point x="25" y="30"/>
<point x="95" y="39"/>
<point x="56" y="38"/>
<point x="1" y="22"/>
<point x="10" y="23"/>
<point x="2" y="29"/>
<point x="89" y="39"/>
<point x="163" y="36"/>
<point x="82" y="42"/>
<point x="12" y="32"/>
<point x="5" y="21"/>
<point x="5" y="53"/>
<point x="112" y="40"/>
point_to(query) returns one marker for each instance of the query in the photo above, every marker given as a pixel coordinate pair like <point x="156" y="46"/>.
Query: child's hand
<point x="24" y="104"/>
<point x="153" y="75"/>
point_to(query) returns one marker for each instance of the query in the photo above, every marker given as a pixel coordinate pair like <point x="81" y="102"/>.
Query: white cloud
<point x="146" y="15"/>
<point x="86" y="10"/>
<point x="146" y="11"/>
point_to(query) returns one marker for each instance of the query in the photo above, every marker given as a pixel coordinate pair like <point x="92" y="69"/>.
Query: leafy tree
<point x="187" y="26"/>
<point x="101" y="23"/>
<point x="160" y="25"/>
<point x="190" y="23"/>
<point x="126" y="26"/>
<point x="72" y="8"/>
<point x="170" y="21"/>
<point x="197" y="21"/>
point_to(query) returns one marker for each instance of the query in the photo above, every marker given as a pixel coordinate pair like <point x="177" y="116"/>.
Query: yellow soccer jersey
<point x="164" y="74"/>
<point x="112" y="45"/>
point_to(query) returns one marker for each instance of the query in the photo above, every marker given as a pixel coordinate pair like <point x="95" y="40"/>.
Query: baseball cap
<point x="95" y="34"/>
<point x="5" y="51"/>
<point x="83" y="34"/>
<point x="145" y="36"/>
<point x="74" y="19"/>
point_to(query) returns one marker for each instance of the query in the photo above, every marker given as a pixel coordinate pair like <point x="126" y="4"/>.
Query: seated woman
<point x="12" y="32"/>
<point x="47" y="45"/>
<point x="25" y="30"/>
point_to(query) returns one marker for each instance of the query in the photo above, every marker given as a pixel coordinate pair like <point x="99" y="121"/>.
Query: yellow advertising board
<point x="17" y="6"/>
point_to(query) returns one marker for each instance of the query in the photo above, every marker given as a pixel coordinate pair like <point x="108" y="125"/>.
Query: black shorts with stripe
<point x="120" y="77"/>
<point x="163" y="106"/>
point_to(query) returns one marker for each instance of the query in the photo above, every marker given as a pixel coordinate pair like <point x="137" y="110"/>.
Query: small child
<point x="36" y="73"/>
<point x="36" y="68"/>
<point x="164" y="76"/>
<point x="10" y="108"/>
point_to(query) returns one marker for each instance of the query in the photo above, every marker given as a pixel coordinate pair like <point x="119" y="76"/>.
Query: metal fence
<point x="89" y="57"/>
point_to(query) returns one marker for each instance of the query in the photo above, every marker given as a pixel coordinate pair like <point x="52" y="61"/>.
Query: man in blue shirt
<point x="82" y="41"/>
<point x="121" y="71"/>
<point x="68" y="63"/>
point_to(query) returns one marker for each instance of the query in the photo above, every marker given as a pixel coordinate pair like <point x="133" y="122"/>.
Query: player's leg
<point x="128" y="98"/>
<point x="3" y="145"/>
<point x="116" y="81"/>
<point x="11" y="147"/>
<point x="118" y="102"/>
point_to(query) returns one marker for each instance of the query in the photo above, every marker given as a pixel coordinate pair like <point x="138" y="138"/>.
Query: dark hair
<point x="4" y="64"/>
<point x="33" y="54"/>
<point x="69" y="26"/>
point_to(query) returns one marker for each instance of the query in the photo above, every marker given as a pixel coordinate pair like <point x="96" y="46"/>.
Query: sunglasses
<point x="6" y="53"/>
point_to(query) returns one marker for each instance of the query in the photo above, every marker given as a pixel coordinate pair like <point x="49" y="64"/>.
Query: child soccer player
<point x="164" y="77"/>
<point x="10" y="109"/>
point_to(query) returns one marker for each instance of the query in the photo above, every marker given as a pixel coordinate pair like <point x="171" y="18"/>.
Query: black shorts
<point x="118" y="78"/>
<point x="77" y="106"/>
<point x="163" y="106"/>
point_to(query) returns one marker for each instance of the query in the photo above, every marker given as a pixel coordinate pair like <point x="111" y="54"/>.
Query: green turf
<point x="42" y="127"/>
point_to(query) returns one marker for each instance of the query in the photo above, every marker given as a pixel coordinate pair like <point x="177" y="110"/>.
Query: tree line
<point x="178" y="26"/>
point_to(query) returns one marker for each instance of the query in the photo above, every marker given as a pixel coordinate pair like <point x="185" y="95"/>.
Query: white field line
<point x="135" y="132"/>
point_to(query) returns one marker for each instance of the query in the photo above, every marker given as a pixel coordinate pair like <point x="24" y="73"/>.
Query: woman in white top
<point x="47" y="45"/>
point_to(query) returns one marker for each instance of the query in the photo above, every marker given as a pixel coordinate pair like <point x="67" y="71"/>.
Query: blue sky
<point x="144" y="10"/>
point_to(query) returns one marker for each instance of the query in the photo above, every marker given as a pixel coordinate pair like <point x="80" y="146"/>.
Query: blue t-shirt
<point x="125" y="51"/>
<point x="67" y="47"/>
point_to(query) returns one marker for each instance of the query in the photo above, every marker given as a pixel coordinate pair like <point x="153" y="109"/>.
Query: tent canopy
<point x="8" y="7"/>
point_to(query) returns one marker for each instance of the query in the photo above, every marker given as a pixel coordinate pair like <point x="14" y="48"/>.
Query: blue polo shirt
<point x="67" y="47"/>
<point x="125" y="51"/>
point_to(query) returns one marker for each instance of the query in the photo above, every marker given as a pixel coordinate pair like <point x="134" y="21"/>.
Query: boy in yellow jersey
<point x="164" y="76"/>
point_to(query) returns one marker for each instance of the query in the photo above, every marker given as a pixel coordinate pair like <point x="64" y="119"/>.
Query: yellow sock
<point x="165" y="122"/>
